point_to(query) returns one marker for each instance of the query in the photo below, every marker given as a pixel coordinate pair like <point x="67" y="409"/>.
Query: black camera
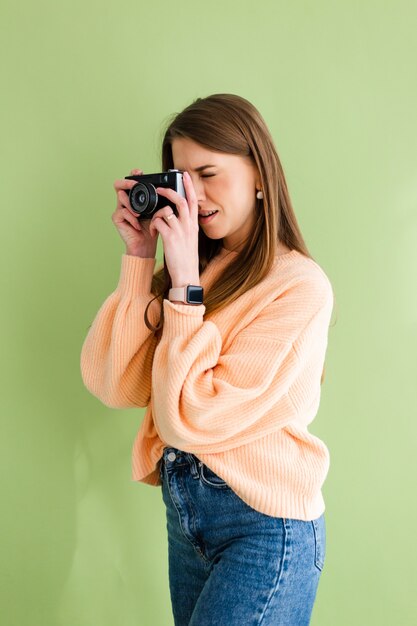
<point x="143" y="197"/>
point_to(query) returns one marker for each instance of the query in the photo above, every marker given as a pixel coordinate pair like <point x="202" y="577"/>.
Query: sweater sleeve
<point x="117" y="354"/>
<point x="206" y="399"/>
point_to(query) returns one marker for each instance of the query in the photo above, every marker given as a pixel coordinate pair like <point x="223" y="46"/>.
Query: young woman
<point x="230" y="383"/>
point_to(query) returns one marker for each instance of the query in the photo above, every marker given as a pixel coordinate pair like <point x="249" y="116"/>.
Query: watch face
<point x="194" y="294"/>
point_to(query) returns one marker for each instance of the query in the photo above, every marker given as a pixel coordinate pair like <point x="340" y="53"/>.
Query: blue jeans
<point x="230" y="565"/>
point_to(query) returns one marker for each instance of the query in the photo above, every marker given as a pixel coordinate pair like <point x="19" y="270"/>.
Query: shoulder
<point x="295" y="266"/>
<point x="296" y="274"/>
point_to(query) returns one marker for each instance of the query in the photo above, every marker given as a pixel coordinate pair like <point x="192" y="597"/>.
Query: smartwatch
<point x="189" y="294"/>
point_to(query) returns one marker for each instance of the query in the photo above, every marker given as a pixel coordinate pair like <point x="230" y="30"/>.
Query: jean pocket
<point x="210" y="478"/>
<point x="319" y="528"/>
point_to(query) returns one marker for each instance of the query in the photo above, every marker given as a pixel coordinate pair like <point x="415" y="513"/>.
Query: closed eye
<point x="207" y="175"/>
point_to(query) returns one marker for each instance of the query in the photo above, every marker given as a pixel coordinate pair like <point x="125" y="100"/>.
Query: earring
<point x="260" y="195"/>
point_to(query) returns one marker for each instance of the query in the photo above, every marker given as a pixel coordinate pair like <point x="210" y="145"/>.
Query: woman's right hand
<point x="135" y="233"/>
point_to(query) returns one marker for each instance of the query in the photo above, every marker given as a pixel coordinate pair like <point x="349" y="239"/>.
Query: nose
<point x="199" y="189"/>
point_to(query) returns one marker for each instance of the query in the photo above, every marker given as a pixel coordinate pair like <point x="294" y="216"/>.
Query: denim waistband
<point x="174" y="457"/>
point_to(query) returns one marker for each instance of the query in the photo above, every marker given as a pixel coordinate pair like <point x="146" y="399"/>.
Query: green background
<point x="86" y="89"/>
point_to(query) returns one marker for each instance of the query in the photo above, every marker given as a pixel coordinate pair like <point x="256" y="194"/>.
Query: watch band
<point x="189" y="294"/>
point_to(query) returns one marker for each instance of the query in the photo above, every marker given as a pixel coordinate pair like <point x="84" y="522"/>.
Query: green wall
<point x="86" y="89"/>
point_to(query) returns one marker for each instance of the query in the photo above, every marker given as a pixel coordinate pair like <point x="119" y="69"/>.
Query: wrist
<point x="141" y="252"/>
<point x="178" y="282"/>
<point x="188" y="293"/>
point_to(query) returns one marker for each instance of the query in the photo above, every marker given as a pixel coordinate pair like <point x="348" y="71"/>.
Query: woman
<point x="230" y="384"/>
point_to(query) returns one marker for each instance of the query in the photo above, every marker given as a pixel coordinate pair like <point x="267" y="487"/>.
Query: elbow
<point x="118" y="398"/>
<point x="113" y="393"/>
<point x="117" y="403"/>
<point x="115" y="399"/>
<point x="100" y="391"/>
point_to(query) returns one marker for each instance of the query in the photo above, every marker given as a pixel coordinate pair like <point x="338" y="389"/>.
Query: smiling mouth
<point x="204" y="219"/>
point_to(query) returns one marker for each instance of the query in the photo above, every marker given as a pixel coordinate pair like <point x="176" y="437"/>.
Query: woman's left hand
<point x="179" y="234"/>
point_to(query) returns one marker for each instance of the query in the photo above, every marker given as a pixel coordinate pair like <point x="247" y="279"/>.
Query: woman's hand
<point x="139" y="241"/>
<point x="179" y="234"/>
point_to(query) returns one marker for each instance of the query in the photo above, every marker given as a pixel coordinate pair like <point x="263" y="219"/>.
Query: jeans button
<point x="171" y="456"/>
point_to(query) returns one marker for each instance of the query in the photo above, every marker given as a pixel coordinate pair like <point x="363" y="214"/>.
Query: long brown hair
<point x="231" y="124"/>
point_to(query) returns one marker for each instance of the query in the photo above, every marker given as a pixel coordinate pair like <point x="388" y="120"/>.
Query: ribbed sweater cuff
<point x="136" y="275"/>
<point x="182" y="320"/>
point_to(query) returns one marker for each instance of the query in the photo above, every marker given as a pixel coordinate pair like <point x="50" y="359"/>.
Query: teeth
<point x="207" y="214"/>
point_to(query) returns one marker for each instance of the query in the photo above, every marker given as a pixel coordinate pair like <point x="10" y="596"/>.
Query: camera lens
<point x="143" y="199"/>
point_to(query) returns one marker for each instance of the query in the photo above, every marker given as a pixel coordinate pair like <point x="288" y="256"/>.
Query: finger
<point x="134" y="217"/>
<point x="191" y="195"/>
<point x="123" y="199"/>
<point x="124" y="215"/>
<point x="124" y="183"/>
<point x="179" y="201"/>
<point x="165" y="212"/>
<point x="138" y="172"/>
<point x="158" y="225"/>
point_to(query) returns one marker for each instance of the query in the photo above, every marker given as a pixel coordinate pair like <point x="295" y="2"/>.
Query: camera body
<point x="143" y="197"/>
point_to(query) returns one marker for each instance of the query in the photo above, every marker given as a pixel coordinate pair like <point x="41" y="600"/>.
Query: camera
<point x="143" y="197"/>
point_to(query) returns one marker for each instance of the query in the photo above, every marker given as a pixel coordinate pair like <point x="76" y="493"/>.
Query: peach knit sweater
<point x="237" y="388"/>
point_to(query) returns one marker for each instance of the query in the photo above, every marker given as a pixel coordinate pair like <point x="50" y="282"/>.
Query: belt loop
<point x="193" y="465"/>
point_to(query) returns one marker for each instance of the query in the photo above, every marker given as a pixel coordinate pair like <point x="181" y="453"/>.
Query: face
<point x="228" y="186"/>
